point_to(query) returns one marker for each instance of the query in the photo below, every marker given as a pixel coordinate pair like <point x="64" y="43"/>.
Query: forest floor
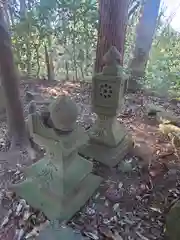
<point x="133" y="200"/>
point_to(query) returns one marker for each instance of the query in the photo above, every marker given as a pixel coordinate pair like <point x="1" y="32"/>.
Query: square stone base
<point x="107" y="155"/>
<point x="54" y="233"/>
<point x="53" y="206"/>
<point x="71" y="176"/>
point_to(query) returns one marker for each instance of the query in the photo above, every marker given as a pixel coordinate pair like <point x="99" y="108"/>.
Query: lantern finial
<point x="112" y="57"/>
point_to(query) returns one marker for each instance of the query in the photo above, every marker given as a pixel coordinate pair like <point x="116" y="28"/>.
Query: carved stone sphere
<point x="63" y="113"/>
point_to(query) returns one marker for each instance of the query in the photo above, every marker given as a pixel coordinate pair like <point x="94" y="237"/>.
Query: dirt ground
<point x="135" y="196"/>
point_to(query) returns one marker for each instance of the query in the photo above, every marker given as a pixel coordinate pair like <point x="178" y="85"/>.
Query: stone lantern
<point x="61" y="182"/>
<point x="106" y="85"/>
<point x="109" y="141"/>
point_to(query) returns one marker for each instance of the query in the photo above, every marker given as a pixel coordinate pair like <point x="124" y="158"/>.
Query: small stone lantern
<point x="109" y="141"/>
<point x="61" y="182"/>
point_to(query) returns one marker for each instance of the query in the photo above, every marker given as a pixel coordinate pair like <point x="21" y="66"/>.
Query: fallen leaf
<point x="116" y="236"/>
<point x="105" y="231"/>
<point x="120" y="185"/>
<point x="115" y="207"/>
<point x="91" y="235"/>
<point x="141" y="236"/>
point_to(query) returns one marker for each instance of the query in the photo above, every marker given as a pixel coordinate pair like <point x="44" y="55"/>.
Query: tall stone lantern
<point x="109" y="141"/>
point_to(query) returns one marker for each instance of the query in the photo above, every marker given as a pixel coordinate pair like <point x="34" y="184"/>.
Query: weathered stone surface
<point x="109" y="156"/>
<point x="108" y="132"/>
<point x="149" y="108"/>
<point x="108" y="142"/>
<point x="29" y="96"/>
<point x="60" y="183"/>
<point x="63" y="113"/>
<point x="52" y="203"/>
<point x="173" y="222"/>
<point x="162" y="115"/>
<point x="168" y="117"/>
<point x="63" y="233"/>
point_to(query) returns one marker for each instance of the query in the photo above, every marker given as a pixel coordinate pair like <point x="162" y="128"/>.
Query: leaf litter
<point x="135" y="196"/>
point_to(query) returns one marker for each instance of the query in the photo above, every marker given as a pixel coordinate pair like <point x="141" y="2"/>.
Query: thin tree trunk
<point x="87" y="61"/>
<point x="144" y="37"/>
<point x="6" y="14"/>
<point x="67" y="70"/>
<point x="74" y="47"/>
<point x="37" y="60"/>
<point x="112" y="28"/>
<point x="49" y="65"/>
<point x="29" y="56"/>
<point x="10" y="81"/>
<point x="10" y="9"/>
<point x="49" y="60"/>
<point x="82" y="71"/>
<point x="22" y="9"/>
<point x="52" y="74"/>
<point x="74" y="60"/>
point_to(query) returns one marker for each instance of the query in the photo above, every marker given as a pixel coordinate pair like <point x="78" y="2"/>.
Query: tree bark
<point x="9" y="80"/>
<point x="22" y="9"/>
<point x="29" y="56"/>
<point x="6" y="15"/>
<point x="49" y="64"/>
<point x="49" y="60"/>
<point x="144" y="37"/>
<point x="112" y="28"/>
<point x="37" y="59"/>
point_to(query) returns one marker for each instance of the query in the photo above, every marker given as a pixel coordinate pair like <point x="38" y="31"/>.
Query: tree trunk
<point x="37" y="59"/>
<point x="49" y="60"/>
<point x="67" y="70"/>
<point x="11" y="15"/>
<point x="10" y="86"/>
<point x="145" y="31"/>
<point x="29" y="56"/>
<point x="112" y="28"/>
<point x="49" y="64"/>
<point x="74" y="46"/>
<point x="6" y="15"/>
<point x="22" y="9"/>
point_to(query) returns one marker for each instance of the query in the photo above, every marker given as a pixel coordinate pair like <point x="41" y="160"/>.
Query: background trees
<point x="58" y="39"/>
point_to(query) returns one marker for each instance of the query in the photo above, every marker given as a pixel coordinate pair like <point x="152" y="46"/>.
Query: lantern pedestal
<point x="109" y="150"/>
<point x="107" y="131"/>
<point x="56" y="232"/>
<point x="55" y="206"/>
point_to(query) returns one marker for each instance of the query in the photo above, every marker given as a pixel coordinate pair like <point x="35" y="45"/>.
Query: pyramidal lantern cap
<point x="63" y="113"/>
